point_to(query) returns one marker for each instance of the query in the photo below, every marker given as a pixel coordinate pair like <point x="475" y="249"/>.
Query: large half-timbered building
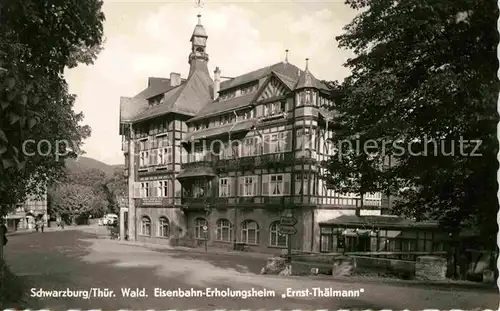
<point x="231" y="157"/>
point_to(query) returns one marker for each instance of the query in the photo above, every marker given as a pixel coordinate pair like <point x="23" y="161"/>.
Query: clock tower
<point x="198" y="40"/>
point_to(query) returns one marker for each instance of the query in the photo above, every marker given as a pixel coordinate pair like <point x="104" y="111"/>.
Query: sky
<point x="151" y="39"/>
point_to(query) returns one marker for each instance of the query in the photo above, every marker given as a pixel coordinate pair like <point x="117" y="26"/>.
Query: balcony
<point x="246" y="162"/>
<point x="276" y="159"/>
<point x="277" y="202"/>
<point x="227" y="164"/>
<point x="246" y="200"/>
<point x="204" y="163"/>
<point x="274" y="115"/>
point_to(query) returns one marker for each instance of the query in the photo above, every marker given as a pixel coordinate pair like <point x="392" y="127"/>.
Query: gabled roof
<point x="187" y="99"/>
<point x="290" y="71"/>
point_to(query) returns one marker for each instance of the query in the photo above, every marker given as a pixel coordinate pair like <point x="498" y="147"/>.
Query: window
<point x="249" y="147"/>
<point x="142" y="145"/>
<point x="163" y="227"/>
<point x="305" y="139"/>
<point x="199" y="223"/>
<point x="274" y="143"/>
<point x="275" y="237"/>
<point x="198" y="153"/>
<point x="276" y="185"/>
<point x="163" y="188"/>
<point x="275" y="108"/>
<point x="145" y="190"/>
<point x="250" y="232"/>
<point x="144" y="158"/>
<point x="224" y="187"/>
<point x="153" y="143"/>
<point x="146" y="226"/>
<point x="224" y="230"/>
<point x="249" y="114"/>
<point x="162" y="141"/>
<point x="308" y="98"/>
<point x="165" y="156"/>
<point x="198" y="188"/>
<point x="301" y="184"/>
<point x="249" y="186"/>
<point x="226" y="119"/>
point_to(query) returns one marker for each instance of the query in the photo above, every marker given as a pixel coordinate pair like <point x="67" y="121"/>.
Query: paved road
<point x="79" y="261"/>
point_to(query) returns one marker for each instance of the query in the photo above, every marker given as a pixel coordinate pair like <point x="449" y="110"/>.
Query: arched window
<point x="146" y="226"/>
<point x="163" y="227"/>
<point x="199" y="224"/>
<point x="250" y="232"/>
<point x="275" y="237"/>
<point x="224" y="230"/>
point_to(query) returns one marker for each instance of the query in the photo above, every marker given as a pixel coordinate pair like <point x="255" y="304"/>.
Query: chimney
<point x="175" y="79"/>
<point x="216" y="82"/>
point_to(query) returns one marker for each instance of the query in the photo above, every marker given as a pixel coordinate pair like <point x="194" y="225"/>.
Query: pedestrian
<point x="36" y="225"/>
<point x="42" y="225"/>
<point x="3" y="231"/>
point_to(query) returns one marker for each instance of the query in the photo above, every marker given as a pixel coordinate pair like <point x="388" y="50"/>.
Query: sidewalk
<point x="210" y="249"/>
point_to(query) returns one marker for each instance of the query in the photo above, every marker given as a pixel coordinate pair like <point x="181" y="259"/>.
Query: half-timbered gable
<point x="274" y="87"/>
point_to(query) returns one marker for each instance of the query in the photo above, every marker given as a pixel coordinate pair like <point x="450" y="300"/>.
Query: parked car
<point x="110" y="219"/>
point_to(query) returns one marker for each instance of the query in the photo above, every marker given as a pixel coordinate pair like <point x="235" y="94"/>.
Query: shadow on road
<point x="79" y="261"/>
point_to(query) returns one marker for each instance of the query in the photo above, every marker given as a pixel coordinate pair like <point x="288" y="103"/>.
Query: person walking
<point x="42" y="225"/>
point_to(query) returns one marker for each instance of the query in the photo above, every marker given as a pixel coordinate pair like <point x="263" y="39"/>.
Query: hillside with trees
<point x="90" y="189"/>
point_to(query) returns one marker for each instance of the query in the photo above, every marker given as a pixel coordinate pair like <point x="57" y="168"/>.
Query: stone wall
<point x="385" y="267"/>
<point x="430" y="268"/>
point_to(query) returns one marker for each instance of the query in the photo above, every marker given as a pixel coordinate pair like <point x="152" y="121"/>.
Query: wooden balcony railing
<point x="204" y="163"/>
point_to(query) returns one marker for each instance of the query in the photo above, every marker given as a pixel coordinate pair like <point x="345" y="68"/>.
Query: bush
<point x="11" y="288"/>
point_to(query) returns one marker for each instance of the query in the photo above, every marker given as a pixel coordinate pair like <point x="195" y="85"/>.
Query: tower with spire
<point x="198" y="57"/>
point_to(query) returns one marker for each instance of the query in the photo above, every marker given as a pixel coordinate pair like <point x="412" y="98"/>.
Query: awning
<point x="213" y="132"/>
<point x="356" y="232"/>
<point x="14" y="217"/>
<point x="196" y="172"/>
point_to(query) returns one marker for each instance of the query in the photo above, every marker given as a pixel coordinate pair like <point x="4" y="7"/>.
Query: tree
<point x="73" y="200"/>
<point x="38" y="39"/>
<point x="424" y="75"/>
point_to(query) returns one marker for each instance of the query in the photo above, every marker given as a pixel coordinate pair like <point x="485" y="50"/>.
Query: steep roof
<point x="187" y="99"/>
<point x="218" y="107"/>
<point x="290" y="71"/>
<point x="156" y="86"/>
